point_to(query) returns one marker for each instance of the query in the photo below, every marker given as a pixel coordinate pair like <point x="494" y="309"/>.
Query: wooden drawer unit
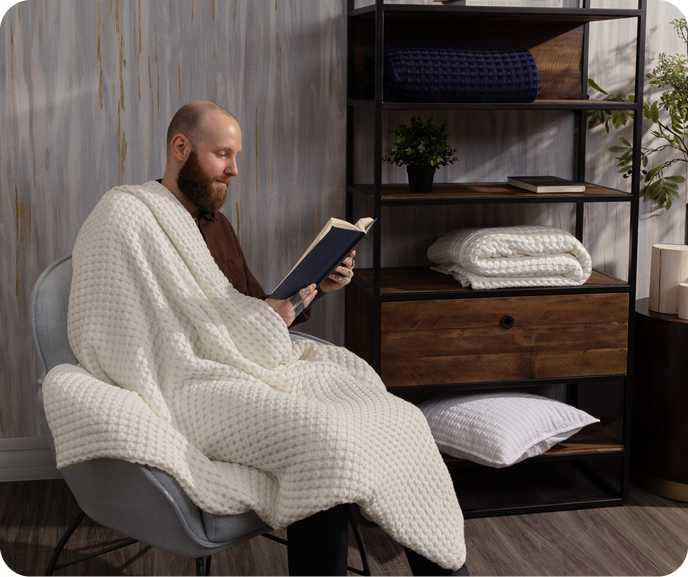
<point x="503" y="339"/>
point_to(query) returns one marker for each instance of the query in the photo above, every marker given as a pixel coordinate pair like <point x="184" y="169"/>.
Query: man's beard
<point x="199" y="187"/>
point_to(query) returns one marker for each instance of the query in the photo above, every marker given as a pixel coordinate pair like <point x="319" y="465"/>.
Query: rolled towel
<point x="431" y="71"/>
<point x="512" y="256"/>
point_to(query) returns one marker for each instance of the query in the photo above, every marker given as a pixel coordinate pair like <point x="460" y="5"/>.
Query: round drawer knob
<point x="507" y="322"/>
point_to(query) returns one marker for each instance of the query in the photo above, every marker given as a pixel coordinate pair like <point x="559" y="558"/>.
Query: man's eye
<point x="221" y="154"/>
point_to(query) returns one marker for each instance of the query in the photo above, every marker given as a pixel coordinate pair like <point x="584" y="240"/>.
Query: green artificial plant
<point x="421" y="145"/>
<point x="669" y="114"/>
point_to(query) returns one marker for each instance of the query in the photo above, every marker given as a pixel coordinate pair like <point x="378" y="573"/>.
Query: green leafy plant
<point x="669" y="114"/>
<point x="421" y="145"/>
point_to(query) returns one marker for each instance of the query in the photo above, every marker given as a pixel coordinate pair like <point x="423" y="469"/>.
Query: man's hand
<point x="292" y="307"/>
<point x="341" y="276"/>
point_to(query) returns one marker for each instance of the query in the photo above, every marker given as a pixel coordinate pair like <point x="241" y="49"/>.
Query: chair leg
<point x="207" y="565"/>
<point x="359" y="542"/>
<point x="199" y="567"/>
<point x="53" y="565"/>
<point x="63" y="542"/>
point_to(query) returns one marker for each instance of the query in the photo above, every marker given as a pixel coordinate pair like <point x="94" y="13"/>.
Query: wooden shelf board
<point x="476" y="192"/>
<point x="426" y="280"/>
<point x="594" y="438"/>
<point x="540" y="104"/>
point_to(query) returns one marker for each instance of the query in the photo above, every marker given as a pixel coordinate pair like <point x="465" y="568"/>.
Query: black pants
<point x="318" y="545"/>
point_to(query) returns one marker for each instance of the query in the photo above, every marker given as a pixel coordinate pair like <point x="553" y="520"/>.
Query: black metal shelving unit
<point x="374" y="283"/>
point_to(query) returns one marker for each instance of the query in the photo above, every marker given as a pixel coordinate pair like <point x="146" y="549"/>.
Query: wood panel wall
<point x="89" y="87"/>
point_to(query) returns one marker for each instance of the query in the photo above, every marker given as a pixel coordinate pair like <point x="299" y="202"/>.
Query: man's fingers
<point x="302" y="299"/>
<point x="307" y="293"/>
<point x="309" y="298"/>
<point x="302" y="295"/>
<point x="342" y="275"/>
<point x="306" y="300"/>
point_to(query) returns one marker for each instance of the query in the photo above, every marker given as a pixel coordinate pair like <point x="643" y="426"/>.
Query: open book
<point x="332" y="245"/>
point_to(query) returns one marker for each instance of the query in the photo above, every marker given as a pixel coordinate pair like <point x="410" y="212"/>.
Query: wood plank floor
<point x="647" y="537"/>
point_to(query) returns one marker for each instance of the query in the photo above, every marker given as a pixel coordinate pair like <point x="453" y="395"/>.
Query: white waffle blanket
<point x="512" y="256"/>
<point x="180" y="371"/>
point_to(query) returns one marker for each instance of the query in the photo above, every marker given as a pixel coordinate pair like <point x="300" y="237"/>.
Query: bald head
<point x="203" y="142"/>
<point x="190" y="121"/>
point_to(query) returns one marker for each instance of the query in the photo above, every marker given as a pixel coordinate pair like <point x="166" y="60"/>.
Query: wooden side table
<point x="659" y="455"/>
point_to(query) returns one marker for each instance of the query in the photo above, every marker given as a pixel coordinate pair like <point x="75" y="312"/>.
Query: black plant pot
<point x="420" y="178"/>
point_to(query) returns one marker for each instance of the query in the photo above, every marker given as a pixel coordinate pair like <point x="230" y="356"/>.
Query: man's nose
<point x="232" y="169"/>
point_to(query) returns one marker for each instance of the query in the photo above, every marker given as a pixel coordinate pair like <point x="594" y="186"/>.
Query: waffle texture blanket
<point x="430" y="71"/>
<point x="180" y="371"/>
<point x="512" y="256"/>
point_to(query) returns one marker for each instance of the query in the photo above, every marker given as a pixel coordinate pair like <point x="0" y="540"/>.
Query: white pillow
<point x="500" y="429"/>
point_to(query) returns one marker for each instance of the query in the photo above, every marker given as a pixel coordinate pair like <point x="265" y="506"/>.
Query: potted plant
<point x="669" y="114"/>
<point x="423" y="148"/>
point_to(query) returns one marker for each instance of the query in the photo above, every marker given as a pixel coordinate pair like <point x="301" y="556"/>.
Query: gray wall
<point x="87" y="89"/>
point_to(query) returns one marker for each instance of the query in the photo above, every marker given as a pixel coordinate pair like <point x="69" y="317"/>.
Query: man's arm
<point x="225" y="248"/>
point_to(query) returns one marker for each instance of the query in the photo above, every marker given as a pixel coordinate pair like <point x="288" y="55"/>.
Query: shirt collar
<point x="209" y="217"/>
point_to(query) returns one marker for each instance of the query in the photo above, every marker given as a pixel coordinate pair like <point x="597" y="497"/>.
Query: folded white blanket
<point x="512" y="256"/>
<point x="180" y="371"/>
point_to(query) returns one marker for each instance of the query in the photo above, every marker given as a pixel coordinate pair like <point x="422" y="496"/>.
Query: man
<point x="203" y="142"/>
<point x="210" y="386"/>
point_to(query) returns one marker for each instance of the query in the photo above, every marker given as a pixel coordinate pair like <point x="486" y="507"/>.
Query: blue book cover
<point x="332" y="245"/>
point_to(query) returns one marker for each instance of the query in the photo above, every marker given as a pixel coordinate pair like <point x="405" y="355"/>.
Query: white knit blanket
<point x="180" y="371"/>
<point x="512" y="256"/>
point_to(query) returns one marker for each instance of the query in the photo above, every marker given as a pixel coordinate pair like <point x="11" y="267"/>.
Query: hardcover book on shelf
<point x="545" y="184"/>
<point x="332" y="245"/>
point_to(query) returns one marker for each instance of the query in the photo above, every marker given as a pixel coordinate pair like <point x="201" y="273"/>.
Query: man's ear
<point x="180" y="147"/>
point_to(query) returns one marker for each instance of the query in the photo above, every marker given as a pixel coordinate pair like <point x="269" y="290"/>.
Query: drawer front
<point x="503" y="339"/>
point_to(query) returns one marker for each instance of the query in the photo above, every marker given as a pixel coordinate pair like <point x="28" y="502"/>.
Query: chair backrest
<point x="140" y="501"/>
<point x="48" y="313"/>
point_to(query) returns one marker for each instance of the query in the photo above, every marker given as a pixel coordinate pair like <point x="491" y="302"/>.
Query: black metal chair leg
<point x="207" y="565"/>
<point x="199" y="567"/>
<point x="359" y="542"/>
<point x="63" y="542"/>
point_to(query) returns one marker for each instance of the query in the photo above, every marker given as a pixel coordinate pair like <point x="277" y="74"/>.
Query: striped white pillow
<point x="500" y="429"/>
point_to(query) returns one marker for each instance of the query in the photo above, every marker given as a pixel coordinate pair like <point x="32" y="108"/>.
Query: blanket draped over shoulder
<point x="180" y="371"/>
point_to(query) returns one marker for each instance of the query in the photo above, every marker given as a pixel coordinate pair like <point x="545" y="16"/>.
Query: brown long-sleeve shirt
<point x="223" y="244"/>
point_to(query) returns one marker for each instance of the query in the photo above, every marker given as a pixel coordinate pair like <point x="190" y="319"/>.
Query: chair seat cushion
<point x="229" y="528"/>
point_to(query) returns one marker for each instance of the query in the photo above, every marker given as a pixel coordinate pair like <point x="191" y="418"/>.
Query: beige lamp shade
<point x="669" y="268"/>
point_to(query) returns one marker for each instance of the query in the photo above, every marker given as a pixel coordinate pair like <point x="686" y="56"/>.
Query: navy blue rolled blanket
<point x="427" y="71"/>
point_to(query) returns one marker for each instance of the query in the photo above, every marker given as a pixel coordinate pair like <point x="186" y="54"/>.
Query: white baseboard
<point x="27" y="459"/>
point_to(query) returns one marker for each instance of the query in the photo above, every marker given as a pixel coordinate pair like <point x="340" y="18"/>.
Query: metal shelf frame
<point x="581" y="17"/>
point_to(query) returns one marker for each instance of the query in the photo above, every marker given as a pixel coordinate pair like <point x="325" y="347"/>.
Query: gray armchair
<point x="142" y="502"/>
